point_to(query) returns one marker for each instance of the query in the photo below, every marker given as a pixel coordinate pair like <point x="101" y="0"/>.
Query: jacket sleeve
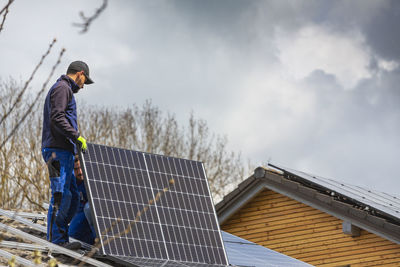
<point x="59" y="99"/>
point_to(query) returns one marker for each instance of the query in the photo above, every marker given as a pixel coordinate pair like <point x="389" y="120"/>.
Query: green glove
<point x="83" y="143"/>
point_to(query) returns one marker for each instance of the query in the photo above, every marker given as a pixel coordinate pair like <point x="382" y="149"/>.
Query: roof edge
<point x="274" y="180"/>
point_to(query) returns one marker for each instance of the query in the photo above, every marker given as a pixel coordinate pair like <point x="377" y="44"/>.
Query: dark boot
<point x="72" y="245"/>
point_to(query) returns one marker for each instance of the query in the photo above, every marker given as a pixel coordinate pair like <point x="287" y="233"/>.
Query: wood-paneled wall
<point x="302" y="232"/>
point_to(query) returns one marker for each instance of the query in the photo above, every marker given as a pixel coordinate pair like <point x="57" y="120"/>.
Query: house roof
<point x="368" y="209"/>
<point x="386" y="204"/>
<point x="242" y="252"/>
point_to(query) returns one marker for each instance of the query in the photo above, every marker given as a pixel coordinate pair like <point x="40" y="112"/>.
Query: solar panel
<point x="381" y="201"/>
<point x="150" y="208"/>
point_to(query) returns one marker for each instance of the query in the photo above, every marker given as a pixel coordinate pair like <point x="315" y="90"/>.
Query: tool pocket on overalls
<point x="54" y="174"/>
<point x="54" y="169"/>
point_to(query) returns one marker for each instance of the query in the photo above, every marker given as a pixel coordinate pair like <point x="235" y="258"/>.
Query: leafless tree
<point x="24" y="180"/>
<point x="22" y="169"/>
<point x="22" y="91"/>
<point x="148" y="129"/>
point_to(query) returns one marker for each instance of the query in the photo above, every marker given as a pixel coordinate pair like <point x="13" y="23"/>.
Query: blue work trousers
<point x="81" y="226"/>
<point x="62" y="179"/>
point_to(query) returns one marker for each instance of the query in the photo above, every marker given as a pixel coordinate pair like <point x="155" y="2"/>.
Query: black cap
<point x="79" y="66"/>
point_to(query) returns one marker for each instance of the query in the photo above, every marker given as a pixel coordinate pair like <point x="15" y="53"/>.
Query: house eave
<point x="264" y="179"/>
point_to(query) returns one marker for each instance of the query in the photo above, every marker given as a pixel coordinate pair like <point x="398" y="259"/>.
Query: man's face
<point x="77" y="169"/>
<point x="80" y="79"/>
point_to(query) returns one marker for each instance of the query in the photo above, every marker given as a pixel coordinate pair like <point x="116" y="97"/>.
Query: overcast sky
<point x="311" y="85"/>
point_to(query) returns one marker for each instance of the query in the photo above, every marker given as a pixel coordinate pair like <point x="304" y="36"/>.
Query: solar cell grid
<point x="181" y="226"/>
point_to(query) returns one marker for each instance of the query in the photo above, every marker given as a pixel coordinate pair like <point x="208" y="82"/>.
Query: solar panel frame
<point x="142" y="262"/>
<point x="120" y="165"/>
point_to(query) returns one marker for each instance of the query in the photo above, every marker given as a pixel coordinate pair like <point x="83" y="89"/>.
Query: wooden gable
<point x="290" y="227"/>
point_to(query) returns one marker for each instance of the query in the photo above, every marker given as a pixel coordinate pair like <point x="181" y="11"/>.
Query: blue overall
<point x="59" y="137"/>
<point x="81" y="226"/>
<point x="65" y="183"/>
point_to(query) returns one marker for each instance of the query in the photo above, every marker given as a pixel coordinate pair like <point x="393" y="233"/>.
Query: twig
<point x="26" y="195"/>
<point x="88" y="20"/>
<point x="19" y="97"/>
<point x="129" y="227"/>
<point x="6" y="6"/>
<point x="37" y="97"/>
<point x="22" y="188"/>
<point x="5" y="10"/>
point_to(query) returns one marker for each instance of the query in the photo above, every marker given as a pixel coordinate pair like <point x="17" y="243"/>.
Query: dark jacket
<point x="60" y="127"/>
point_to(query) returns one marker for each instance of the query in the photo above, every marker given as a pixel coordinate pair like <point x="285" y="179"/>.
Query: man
<point x="81" y="226"/>
<point x="60" y="138"/>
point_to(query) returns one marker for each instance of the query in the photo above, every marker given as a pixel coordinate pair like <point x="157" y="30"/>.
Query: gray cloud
<point x="381" y="31"/>
<point x="223" y="60"/>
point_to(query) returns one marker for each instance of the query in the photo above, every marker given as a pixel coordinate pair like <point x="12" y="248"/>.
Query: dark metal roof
<point x="242" y="252"/>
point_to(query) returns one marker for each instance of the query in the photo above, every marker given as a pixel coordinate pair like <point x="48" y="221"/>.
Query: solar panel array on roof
<point x="384" y="202"/>
<point x="150" y="208"/>
<point x="242" y="252"/>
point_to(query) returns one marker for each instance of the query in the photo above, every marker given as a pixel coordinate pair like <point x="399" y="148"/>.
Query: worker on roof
<point x="60" y="138"/>
<point x="81" y="226"/>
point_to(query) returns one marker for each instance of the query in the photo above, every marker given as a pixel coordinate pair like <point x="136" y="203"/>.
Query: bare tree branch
<point x="21" y="93"/>
<point x="6" y="6"/>
<point x="88" y="20"/>
<point x="5" y="11"/>
<point x="25" y="115"/>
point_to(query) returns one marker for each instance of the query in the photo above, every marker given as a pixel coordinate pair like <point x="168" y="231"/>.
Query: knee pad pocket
<point x="54" y="168"/>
